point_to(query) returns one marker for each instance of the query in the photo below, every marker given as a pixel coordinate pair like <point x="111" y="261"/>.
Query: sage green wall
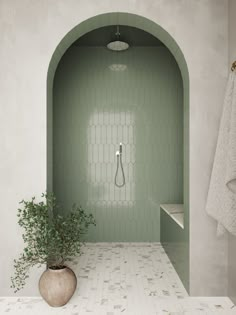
<point x="174" y="239"/>
<point x="94" y="109"/>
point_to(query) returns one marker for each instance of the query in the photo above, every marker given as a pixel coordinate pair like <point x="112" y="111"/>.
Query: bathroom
<point x="82" y="113"/>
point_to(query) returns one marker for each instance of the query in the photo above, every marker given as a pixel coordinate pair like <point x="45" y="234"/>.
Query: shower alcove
<point x="98" y="98"/>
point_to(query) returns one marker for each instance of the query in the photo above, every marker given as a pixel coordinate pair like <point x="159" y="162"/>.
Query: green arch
<point x="122" y="19"/>
<point x="156" y="30"/>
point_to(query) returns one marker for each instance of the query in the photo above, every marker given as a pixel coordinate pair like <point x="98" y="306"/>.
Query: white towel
<point x="221" y="200"/>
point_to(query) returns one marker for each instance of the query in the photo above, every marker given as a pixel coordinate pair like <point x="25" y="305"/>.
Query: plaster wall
<point x="232" y="239"/>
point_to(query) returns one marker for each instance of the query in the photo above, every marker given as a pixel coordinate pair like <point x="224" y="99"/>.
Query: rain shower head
<point x="117" y="45"/>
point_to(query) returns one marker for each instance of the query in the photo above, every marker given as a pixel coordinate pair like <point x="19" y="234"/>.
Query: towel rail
<point x="233" y="67"/>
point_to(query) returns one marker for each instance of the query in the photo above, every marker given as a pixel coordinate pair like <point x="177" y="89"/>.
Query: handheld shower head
<point x="119" y="164"/>
<point x="120" y="148"/>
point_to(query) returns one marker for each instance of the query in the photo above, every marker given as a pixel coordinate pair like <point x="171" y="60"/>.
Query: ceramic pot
<point x="57" y="285"/>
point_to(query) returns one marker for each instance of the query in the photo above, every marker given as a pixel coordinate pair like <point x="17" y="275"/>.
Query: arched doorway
<point x="155" y="30"/>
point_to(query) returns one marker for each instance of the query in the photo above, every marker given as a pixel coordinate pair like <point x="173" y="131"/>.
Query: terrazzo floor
<point x="124" y="278"/>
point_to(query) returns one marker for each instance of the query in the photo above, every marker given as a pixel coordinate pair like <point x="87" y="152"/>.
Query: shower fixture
<point x="119" y="163"/>
<point x="117" y="45"/>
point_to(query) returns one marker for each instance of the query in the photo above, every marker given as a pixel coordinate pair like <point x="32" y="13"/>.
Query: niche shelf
<point x="176" y="212"/>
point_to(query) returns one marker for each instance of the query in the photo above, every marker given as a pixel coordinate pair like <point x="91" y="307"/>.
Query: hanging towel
<point x="221" y="200"/>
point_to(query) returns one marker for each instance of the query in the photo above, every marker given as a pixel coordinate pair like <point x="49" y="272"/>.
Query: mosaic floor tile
<point x="124" y="278"/>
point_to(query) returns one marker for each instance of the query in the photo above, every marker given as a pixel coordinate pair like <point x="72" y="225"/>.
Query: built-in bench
<point x="176" y="212"/>
<point x="174" y="238"/>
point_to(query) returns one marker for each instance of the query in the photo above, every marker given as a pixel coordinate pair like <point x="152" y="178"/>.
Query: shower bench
<point x="175" y="211"/>
<point x="175" y="239"/>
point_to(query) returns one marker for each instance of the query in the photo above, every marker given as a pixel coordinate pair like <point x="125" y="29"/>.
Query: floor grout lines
<point x="124" y="278"/>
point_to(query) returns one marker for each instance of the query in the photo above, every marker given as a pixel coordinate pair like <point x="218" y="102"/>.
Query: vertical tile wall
<point x="102" y="98"/>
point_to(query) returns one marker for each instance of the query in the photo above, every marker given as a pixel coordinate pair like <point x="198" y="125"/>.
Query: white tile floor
<point x="124" y="278"/>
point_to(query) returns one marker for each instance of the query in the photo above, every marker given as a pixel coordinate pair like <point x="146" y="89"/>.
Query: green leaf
<point x="49" y="236"/>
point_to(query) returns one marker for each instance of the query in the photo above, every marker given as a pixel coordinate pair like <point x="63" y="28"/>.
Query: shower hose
<point x="119" y="163"/>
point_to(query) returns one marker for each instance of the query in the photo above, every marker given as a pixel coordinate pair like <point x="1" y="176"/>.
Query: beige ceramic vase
<point x="57" y="286"/>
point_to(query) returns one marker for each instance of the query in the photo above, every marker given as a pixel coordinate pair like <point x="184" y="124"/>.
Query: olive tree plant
<point x="50" y="238"/>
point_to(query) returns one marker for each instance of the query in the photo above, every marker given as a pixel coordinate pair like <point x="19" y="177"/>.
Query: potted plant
<point x="52" y="240"/>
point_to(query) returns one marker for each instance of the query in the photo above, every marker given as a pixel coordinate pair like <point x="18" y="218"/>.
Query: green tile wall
<point x="173" y="239"/>
<point x="95" y="108"/>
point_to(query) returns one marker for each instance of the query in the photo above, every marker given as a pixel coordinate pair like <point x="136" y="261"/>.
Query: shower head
<point x="120" y="148"/>
<point x="117" y="45"/>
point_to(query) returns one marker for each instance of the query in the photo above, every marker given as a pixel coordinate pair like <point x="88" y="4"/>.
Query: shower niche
<point x="118" y="137"/>
<point x="105" y="97"/>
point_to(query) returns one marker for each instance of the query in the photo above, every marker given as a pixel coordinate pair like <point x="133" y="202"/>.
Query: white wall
<point x="232" y="239"/>
<point x="30" y="31"/>
<point x="232" y="31"/>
